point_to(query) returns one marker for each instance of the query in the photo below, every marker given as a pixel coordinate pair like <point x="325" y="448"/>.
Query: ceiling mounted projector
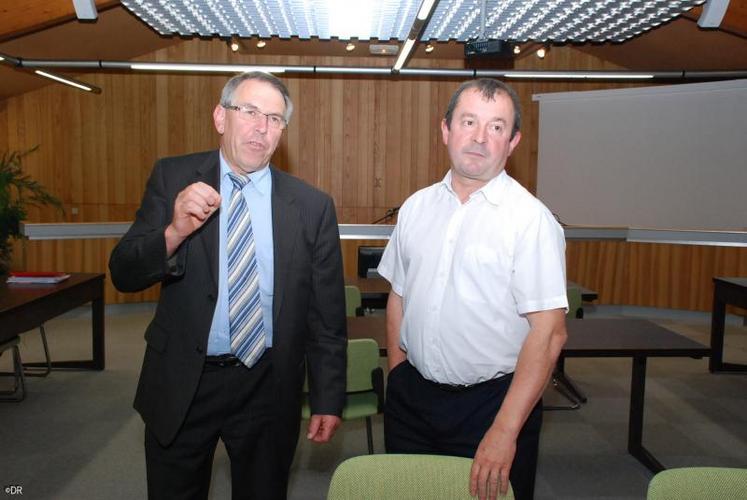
<point x="495" y="48"/>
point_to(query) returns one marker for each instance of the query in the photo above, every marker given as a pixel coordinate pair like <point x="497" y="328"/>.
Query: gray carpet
<point x="76" y="435"/>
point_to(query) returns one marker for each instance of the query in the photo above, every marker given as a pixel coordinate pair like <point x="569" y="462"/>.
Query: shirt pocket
<point x="480" y="273"/>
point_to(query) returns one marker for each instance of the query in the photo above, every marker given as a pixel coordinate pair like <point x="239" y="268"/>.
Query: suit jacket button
<point x="211" y="297"/>
<point x="199" y="350"/>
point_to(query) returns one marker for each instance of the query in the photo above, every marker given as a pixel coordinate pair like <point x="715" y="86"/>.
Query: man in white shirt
<point x="476" y="317"/>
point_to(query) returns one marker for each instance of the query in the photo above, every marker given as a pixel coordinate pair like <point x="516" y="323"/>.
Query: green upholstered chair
<point x="575" y="303"/>
<point x="402" y="477"/>
<point x="353" y="301"/>
<point x="18" y="392"/>
<point x="365" y="385"/>
<point x="698" y="483"/>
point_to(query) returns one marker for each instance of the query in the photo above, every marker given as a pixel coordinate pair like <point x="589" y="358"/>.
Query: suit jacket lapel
<point x="209" y="173"/>
<point x="285" y="226"/>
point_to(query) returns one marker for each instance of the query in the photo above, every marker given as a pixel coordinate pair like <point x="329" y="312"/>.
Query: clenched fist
<point x="193" y="207"/>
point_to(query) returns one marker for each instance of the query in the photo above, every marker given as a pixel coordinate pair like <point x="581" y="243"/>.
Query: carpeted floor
<point x="76" y="435"/>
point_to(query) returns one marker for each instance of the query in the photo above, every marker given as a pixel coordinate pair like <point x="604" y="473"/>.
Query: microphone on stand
<point x="388" y="215"/>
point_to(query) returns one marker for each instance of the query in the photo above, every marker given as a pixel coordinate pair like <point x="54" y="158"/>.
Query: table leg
<point x="98" y="352"/>
<point x="718" y="320"/>
<point x="635" y="421"/>
<point x="97" y="331"/>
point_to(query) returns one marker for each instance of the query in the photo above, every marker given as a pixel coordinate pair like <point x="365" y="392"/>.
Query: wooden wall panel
<point x="654" y="275"/>
<point x="368" y="141"/>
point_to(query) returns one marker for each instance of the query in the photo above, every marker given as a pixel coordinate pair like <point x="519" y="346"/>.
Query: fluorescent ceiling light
<point x="68" y="81"/>
<point x="425" y="9"/>
<point x="204" y="68"/>
<point x="713" y="13"/>
<point x="406" y="48"/>
<point x="85" y="9"/>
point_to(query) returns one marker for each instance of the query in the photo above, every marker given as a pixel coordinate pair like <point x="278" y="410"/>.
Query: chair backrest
<point x="402" y="477"/>
<point x="690" y="483"/>
<point x="352" y="300"/>
<point x="363" y="358"/>
<point x="574" y="301"/>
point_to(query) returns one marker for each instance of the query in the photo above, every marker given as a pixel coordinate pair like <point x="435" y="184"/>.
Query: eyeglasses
<point x="251" y="114"/>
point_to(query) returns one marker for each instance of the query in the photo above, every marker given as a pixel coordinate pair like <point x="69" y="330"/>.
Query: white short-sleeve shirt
<point x="468" y="273"/>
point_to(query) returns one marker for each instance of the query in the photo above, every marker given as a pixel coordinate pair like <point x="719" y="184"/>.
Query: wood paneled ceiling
<point x="48" y="29"/>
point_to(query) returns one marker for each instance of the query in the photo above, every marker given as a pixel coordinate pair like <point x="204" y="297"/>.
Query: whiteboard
<point x="659" y="157"/>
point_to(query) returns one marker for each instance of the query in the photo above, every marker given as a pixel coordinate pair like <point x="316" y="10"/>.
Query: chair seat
<point x="361" y="405"/>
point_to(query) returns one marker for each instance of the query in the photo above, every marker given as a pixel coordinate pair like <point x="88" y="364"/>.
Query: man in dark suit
<point x="248" y="259"/>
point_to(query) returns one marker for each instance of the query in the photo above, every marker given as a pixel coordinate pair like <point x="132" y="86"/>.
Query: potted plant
<point x="18" y="191"/>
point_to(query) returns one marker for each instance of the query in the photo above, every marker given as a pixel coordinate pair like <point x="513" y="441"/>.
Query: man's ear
<point x="514" y="142"/>
<point x="445" y="131"/>
<point x="219" y="118"/>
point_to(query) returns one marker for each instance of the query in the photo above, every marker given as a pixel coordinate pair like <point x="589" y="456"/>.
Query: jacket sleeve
<point x="139" y="260"/>
<point x="327" y="347"/>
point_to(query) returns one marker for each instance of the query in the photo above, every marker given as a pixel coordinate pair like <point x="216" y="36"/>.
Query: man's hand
<point x="322" y="427"/>
<point x="193" y="207"/>
<point x="492" y="464"/>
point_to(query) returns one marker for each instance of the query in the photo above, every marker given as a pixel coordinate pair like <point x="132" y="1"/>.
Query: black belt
<point x="223" y="360"/>
<point x="463" y="388"/>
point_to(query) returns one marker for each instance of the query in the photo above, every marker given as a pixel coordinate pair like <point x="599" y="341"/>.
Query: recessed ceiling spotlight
<point x="541" y="52"/>
<point x="261" y="44"/>
<point x="350" y="47"/>
<point x="429" y="48"/>
<point x="234" y="44"/>
<point x="517" y="50"/>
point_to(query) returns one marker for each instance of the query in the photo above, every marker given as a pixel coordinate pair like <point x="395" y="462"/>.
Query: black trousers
<point x="423" y="417"/>
<point x="235" y="404"/>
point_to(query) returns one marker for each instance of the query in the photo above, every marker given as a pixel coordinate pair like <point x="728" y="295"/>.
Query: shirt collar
<point x="492" y="191"/>
<point x="261" y="179"/>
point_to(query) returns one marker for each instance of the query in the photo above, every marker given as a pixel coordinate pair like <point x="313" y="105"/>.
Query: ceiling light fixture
<point x="517" y="50"/>
<point x="350" y="47"/>
<point x="713" y="13"/>
<point x="425" y="9"/>
<point x="69" y="81"/>
<point x="85" y="9"/>
<point x="542" y="52"/>
<point x="429" y="48"/>
<point x="234" y="44"/>
<point x="403" y="54"/>
<point x="261" y="44"/>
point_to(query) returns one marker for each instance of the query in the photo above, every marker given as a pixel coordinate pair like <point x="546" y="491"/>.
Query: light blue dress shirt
<point x="258" y="195"/>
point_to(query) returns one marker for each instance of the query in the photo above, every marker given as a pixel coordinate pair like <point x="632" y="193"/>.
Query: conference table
<point x="596" y="338"/>
<point x="25" y="307"/>
<point x="725" y="291"/>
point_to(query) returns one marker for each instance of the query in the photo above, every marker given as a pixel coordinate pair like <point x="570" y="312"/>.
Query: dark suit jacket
<point x="308" y="308"/>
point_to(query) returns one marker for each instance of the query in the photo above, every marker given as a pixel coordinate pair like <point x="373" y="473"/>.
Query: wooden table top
<point x="586" y="337"/>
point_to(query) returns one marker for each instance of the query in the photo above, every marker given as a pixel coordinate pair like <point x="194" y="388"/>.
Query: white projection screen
<point x="668" y="157"/>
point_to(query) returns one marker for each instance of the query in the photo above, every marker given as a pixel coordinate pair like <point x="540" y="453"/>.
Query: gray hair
<point x="226" y="97"/>
<point x="489" y="87"/>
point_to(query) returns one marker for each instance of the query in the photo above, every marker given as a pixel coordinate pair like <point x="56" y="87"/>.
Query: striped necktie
<point x="244" y="305"/>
